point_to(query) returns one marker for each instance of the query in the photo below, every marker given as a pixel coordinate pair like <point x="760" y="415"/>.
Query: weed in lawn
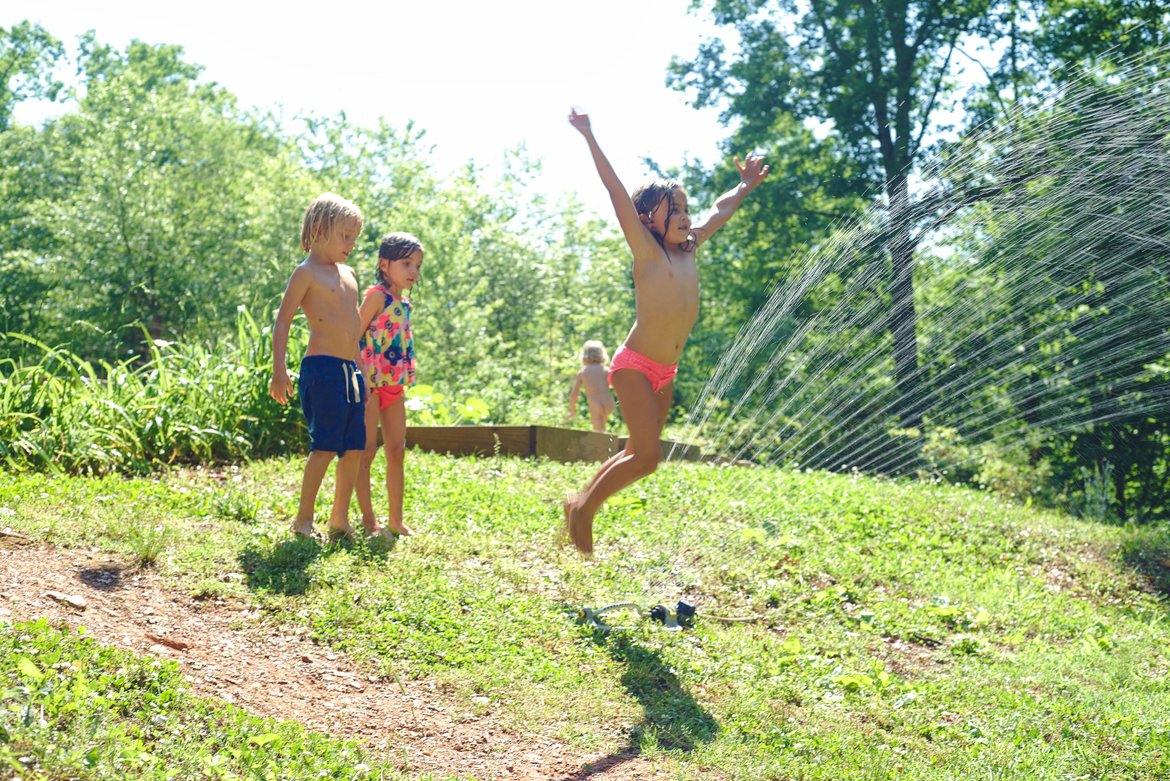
<point x="236" y="506"/>
<point x="282" y="569"/>
<point x="148" y="542"/>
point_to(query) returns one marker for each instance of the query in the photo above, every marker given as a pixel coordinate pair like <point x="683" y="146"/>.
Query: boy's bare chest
<point x="332" y="297"/>
<point x="334" y="289"/>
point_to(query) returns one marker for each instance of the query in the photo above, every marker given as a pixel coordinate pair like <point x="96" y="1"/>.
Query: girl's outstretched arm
<point x="751" y="172"/>
<point x="637" y="235"/>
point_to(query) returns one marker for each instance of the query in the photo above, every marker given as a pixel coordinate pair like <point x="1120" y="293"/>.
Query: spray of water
<point x="1042" y="300"/>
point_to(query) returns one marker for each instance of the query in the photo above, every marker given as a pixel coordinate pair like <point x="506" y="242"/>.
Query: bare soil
<point x="233" y="653"/>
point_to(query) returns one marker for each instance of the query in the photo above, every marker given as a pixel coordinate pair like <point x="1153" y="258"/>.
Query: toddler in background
<point x="593" y="378"/>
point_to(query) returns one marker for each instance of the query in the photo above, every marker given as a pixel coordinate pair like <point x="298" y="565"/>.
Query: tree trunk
<point x="903" y="320"/>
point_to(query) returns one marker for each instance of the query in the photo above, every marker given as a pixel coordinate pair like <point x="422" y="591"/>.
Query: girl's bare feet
<point x="339" y="532"/>
<point x="304" y="529"/>
<point x="401" y="528"/>
<point x="580" y="527"/>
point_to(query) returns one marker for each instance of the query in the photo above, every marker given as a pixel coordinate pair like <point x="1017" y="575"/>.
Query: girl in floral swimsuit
<point x="387" y="358"/>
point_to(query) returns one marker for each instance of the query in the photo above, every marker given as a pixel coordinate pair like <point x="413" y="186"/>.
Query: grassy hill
<point x="847" y="627"/>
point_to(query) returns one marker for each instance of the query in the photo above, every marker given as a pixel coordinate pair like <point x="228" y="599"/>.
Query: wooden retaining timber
<point x="558" y="444"/>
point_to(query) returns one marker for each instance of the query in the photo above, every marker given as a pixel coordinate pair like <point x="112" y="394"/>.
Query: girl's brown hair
<point x="396" y="246"/>
<point x="647" y="197"/>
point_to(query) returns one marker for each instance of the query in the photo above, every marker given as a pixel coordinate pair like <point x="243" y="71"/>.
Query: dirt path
<point x="234" y="654"/>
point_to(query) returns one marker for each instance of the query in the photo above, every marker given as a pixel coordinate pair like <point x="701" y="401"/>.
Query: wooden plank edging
<point x="559" y="444"/>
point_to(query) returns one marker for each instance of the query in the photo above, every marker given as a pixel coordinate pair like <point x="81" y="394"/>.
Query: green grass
<point x="71" y="708"/>
<point x="847" y="628"/>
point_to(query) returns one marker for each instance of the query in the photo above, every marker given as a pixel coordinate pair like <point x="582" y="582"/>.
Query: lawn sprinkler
<point x="672" y="620"/>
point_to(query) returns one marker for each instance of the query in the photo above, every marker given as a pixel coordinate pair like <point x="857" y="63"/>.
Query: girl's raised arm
<point x="637" y="235"/>
<point x="751" y="172"/>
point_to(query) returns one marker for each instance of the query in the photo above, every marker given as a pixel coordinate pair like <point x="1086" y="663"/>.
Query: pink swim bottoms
<point x="659" y="374"/>
<point x="388" y="394"/>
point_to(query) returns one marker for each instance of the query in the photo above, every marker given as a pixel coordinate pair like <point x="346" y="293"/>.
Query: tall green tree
<point x="172" y="206"/>
<point x="878" y="73"/>
<point x="28" y="55"/>
<point x="880" y="78"/>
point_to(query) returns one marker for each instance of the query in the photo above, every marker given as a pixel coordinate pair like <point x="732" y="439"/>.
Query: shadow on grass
<point x="1148" y="552"/>
<point x="108" y="578"/>
<point x="673" y="720"/>
<point x="284" y="568"/>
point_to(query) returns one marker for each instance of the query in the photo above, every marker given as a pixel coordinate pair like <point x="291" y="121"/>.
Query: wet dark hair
<point x="395" y="246"/>
<point x="647" y="197"/>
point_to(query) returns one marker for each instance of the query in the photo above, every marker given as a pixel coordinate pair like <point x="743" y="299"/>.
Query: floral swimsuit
<point x="387" y="349"/>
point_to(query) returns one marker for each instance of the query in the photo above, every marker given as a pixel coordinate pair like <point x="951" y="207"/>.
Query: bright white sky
<point x="480" y="76"/>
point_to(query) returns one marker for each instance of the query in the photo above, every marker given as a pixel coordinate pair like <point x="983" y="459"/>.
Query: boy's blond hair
<point x="322" y="216"/>
<point x="594" y="352"/>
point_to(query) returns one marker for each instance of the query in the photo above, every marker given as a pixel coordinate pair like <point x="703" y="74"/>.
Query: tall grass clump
<point x="180" y="403"/>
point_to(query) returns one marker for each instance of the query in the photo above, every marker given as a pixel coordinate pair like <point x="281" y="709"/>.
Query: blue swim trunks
<point x="333" y="398"/>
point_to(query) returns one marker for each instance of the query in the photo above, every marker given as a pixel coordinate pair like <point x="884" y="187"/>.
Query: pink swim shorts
<point x="388" y="394"/>
<point x="659" y="374"/>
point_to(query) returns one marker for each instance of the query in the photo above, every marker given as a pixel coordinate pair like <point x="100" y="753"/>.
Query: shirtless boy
<point x="330" y="384"/>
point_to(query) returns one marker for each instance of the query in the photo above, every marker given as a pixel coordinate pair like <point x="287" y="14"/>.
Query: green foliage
<point x="1006" y="471"/>
<point x="188" y="403"/>
<point x="27" y="56"/>
<point x="1062" y="341"/>
<point x="27" y="283"/>
<point x="162" y="202"/>
<point x="164" y="206"/>
<point x="428" y="407"/>
<point x="150" y="542"/>
<point x="1072" y="31"/>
